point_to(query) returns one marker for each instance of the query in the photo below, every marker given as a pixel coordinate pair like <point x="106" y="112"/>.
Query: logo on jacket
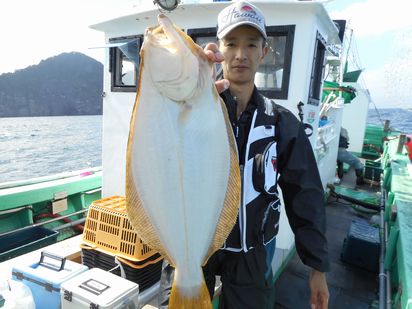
<point x="274" y="163"/>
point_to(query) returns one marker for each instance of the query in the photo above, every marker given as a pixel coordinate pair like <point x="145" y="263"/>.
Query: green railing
<point x="20" y="204"/>
<point x="398" y="215"/>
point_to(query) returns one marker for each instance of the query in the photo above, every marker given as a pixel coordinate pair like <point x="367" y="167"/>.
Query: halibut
<point x="182" y="177"/>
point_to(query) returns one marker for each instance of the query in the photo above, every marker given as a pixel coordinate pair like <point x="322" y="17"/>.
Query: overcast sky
<point x="34" y="30"/>
<point x="383" y="36"/>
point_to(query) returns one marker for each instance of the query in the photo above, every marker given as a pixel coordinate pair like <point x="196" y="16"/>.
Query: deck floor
<point x="349" y="286"/>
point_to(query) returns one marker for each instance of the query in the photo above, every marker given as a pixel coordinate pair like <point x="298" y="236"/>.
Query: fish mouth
<point x="163" y="20"/>
<point x="174" y="68"/>
<point x="164" y="35"/>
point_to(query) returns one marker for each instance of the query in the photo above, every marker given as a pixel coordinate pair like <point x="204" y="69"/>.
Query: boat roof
<point x="145" y="16"/>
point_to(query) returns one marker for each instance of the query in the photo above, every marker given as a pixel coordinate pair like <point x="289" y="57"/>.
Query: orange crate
<point x="108" y="230"/>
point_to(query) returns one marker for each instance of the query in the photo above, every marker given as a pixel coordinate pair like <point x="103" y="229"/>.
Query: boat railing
<point x="31" y="181"/>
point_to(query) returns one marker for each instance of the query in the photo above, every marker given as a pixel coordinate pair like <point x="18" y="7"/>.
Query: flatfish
<point x="182" y="178"/>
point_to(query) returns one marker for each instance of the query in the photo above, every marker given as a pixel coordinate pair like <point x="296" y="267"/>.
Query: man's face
<point x="243" y="50"/>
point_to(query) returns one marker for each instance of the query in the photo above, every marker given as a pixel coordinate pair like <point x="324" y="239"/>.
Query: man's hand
<point x="212" y="52"/>
<point x="319" y="293"/>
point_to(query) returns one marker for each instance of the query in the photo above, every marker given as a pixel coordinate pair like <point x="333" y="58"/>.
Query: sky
<point x="383" y="37"/>
<point x="34" y="30"/>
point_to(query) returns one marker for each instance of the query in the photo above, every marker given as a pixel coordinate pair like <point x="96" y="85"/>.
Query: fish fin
<point x="134" y="206"/>
<point x="135" y="211"/>
<point x="230" y="209"/>
<point x="199" y="300"/>
<point x="195" y="48"/>
<point x="138" y="217"/>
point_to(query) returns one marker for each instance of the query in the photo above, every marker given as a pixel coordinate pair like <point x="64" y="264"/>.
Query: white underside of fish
<point x="181" y="159"/>
<point x="181" y="166"/>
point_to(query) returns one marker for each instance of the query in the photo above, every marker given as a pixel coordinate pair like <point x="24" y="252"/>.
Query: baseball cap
<point x="238" y="14"/>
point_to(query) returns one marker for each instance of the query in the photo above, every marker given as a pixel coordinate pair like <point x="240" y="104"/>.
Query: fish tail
<point x="199" y="299"/>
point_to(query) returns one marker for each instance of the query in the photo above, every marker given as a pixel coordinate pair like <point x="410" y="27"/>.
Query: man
<point x="345" y="156"/>
<point x="243" y="263"/>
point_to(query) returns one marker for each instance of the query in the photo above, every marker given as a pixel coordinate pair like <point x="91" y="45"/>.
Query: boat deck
<point x="349" y="286"/>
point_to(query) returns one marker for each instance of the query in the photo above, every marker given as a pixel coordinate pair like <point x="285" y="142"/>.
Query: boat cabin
<point x="300" y="36"/>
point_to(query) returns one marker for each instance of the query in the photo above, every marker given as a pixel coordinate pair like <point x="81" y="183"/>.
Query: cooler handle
<point x="52" y="256"/>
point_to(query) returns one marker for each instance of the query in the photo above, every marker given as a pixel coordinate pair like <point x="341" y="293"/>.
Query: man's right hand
<point x="319" y="292"/>
<point x="212" y="52"/>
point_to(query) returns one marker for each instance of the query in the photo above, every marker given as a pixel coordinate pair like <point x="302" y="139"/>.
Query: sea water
<point x="400" y="119"/>
<point x="40" y="146"/>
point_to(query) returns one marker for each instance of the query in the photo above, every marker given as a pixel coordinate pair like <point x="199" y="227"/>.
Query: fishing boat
<point x="305" y="71"/>
<point x="43" y="210"/>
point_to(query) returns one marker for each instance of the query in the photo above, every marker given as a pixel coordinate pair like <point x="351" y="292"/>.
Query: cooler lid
<point x="99" y="287"/>
<point x="50" y="268"/>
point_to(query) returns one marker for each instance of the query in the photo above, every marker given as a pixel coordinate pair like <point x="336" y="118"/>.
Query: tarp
<point x="351" y="77"/>
<point x="348" y="92"/>
<point x="364" y="196"/>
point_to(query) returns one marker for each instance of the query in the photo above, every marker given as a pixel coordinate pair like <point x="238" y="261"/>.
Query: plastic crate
<point x="373" y="170"/>
<point x="145" y="273"/>
<point x="27" y="240"/>
<point x="361" y="247"/>
<point x="109" y="230"/>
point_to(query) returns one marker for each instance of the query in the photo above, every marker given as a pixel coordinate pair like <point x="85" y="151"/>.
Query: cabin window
<point x="318" y="68"/>
<point x="272" y="77"/>
<point x="202" y="37"/>
<point x="124" y="63"/>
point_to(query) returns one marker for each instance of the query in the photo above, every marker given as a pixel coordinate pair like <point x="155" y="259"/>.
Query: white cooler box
<point x="44" y="278"/>
<point x="97" y="288"/>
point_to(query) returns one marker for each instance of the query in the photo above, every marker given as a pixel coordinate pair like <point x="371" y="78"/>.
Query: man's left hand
<point x="319" y="293"/>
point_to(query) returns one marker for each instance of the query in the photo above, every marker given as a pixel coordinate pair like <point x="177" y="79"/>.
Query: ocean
<point x="400" y="119"/>
<point x="40" y="146"/>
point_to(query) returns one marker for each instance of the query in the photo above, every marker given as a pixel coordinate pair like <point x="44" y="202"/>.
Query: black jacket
<point x="343" y="142"/>
<point x="299" y="178"/>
